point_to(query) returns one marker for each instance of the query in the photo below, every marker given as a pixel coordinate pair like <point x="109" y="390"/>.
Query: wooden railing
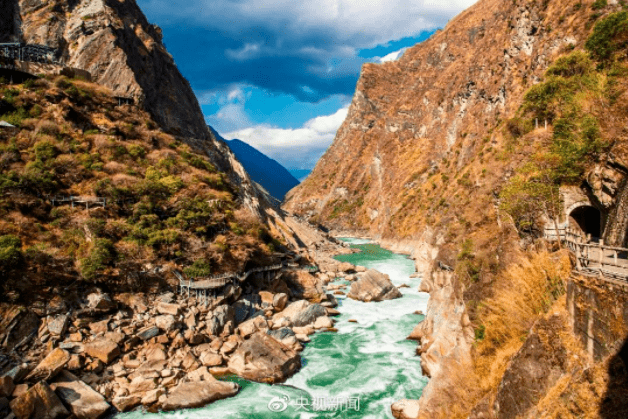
<point x="592" y="257"/>
<point x="84" y="200"/>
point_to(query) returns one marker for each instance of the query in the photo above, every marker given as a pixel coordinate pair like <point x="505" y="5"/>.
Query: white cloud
<point x="301" y="146"/>
<point x="393" y="56"/>
<point x="247" y="52"/>
<point x="231" y="115"/>
<point x="355" y="23"/>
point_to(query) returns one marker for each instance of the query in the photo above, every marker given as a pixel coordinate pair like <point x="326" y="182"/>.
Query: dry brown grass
<point x="524" y="293"/>
<point x="114" y="167"/>
<point x="580" y="390"/>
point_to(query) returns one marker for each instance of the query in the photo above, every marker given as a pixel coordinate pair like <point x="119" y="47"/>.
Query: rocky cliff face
<point x="432" y="142"/>
<point x="445" y="337"/>
<point x="114" y="42"/>
<point x="438" y="110"/>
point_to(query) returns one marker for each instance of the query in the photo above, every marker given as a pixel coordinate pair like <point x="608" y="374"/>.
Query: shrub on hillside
<point x="577" y="63"/>
<point x="609" y="36"/>
<point x="44" y="150"/>
<point x="10" y="252"/>
<point x="200" y="268"/>
<point x="100" y="256"/>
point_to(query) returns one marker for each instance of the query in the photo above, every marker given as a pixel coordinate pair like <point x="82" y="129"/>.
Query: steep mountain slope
<point x="456" y="153"/>
<point x="263" y="170"/>
<point x="424" y="127"/>
<point x="160" y="202"/>
<point x="300" y="174"/>
<point x="155" y="160"/>
<point x="114" y="42"/>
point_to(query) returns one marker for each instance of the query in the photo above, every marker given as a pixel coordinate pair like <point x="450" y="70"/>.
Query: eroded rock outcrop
<point x="446" y="337"/>
<point x="198" y="393"/>
<point x="84" y="402"/>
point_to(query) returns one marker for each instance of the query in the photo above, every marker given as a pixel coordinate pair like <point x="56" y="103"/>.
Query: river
<point x="357" y="372"/>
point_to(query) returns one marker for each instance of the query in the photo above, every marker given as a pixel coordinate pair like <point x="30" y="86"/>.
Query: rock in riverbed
<point x="39" y="402"/>
<point x="263" y="359"/>
<point x="373" y="286"/>
<point x="84" y="402"/>
<point x="301" y="313"/>
<point x="198" y="393"/>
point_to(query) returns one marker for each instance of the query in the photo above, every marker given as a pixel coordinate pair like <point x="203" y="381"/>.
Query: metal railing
<point x="28" y="52"/>
<point x="592" y="257"/>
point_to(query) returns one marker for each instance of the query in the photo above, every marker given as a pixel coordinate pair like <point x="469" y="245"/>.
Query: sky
<point x="280" y="74"/>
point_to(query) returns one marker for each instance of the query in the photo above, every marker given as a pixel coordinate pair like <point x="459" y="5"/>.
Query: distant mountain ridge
<point x="275" y="178"/>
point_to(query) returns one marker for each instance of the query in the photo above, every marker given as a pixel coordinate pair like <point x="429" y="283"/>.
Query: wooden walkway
<point x="593" y="257"/>
<point x="201" y="288"/>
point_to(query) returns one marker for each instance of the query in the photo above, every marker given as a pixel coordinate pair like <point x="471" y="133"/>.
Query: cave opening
<point x="588" y="220"/>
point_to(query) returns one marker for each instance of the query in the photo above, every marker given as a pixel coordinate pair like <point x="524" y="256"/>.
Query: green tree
<point x="100" y="256"/>
<point x="533" y="194"/>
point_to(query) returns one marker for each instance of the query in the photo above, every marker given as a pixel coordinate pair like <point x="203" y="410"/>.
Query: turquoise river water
<point x="357" y="372"/>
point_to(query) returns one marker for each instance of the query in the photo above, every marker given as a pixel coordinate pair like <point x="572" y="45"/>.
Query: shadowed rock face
<point x="263" y="170"/>
<point x="8" y="29"/>
<point x="114" y="42"/>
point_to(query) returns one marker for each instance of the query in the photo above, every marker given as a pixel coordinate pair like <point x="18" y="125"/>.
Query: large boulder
<point x="305" y="285"/>
<point x="373" y="286"/>
<point x="280" y="300"/>
<point x="6" y="386"/>
<point x="166" y="308"/>
<point x="198" y="393"/>
<point x="405" y="409"/>
<point x="148" y="332"/>
<point x="103" y="349"/>
<point x="135" y="301"/>
<point x="221" y="315"/>
<point x="166" y="322"/>
<point x="40" y="402"/>
<point x="283" y="335"/>
<point x="126" y="403"/>
<point x="244" y="310"/>
<point x="301" y="313"/>
<point x="50" y="365"/>
<point x="263" y="359"/>
<point x="253" y="325"/>
<point x="57" y="325"/>
<point x="346" y="267"/>
<point x="99" y="302"/>
<point x="84" y="402"/>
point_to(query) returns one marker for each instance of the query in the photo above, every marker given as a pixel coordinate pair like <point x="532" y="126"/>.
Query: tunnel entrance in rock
<point x="588" y="220"/>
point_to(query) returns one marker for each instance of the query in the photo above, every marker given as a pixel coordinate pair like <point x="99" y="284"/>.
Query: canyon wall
<point x="430" y="143"/>
<point x="598" y="309"/>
